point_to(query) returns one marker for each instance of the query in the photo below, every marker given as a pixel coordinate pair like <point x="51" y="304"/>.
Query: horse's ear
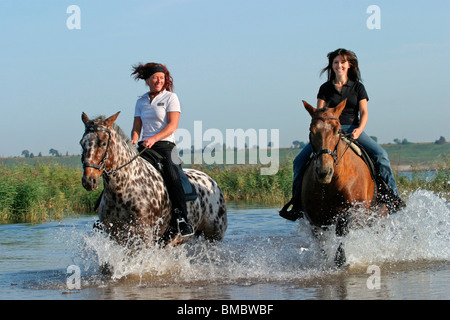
<point x="85" y="118"/>
<point x="111" y="119"/>
<point x="339" y="108"/>
<point x="309" y="108"/>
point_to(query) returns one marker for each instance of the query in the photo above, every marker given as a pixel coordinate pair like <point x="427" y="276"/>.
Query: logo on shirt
<point x="160" y="104"/>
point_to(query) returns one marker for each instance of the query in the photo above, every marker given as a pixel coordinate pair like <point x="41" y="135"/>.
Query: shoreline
<point x="412" y="167"/>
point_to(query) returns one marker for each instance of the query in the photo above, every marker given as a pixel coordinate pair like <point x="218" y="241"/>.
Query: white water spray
<point x="418" y="232"/>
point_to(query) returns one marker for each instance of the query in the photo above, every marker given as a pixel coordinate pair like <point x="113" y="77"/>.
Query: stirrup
<point x="186" y="230"/>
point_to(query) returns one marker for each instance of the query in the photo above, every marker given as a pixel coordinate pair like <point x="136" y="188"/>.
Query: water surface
<point x="263" y="257"/>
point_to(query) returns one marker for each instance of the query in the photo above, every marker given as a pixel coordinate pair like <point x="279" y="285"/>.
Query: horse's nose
<point x="89" y="183"/>
<point x="324" y="174"/>
<point x="321" y="174"/>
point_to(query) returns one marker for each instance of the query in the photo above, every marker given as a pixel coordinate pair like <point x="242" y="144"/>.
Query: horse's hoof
<point x="98" y="226"/>
<point x="106" y="270"/>
<point x="340" y="259"/>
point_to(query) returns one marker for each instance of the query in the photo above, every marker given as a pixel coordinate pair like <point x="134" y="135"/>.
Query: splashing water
<point x="418" y="232"/>
<point x="259" y="247"/>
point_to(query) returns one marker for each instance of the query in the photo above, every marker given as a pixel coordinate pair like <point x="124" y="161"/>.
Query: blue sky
<point x="236" y="64"/>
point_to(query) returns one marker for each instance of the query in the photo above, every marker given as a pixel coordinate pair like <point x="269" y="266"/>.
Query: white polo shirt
<point x="154" y="114"/>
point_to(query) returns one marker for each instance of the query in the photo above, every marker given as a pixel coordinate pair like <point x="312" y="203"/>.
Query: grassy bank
<point x="246" y="183"/>
<point x="439" y="183"/>
<point x="33" y="193"/>
<point x="402" y="157"/>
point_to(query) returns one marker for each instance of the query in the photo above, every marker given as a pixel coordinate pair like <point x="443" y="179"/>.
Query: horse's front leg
<point x="341" y="231"/>
<point x="342" y="224"/>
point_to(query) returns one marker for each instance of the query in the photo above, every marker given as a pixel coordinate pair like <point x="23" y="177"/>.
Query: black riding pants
<point x="170" y="172"/>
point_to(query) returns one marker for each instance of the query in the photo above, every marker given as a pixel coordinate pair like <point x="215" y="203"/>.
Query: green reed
<point x="39" y="192"/>
<point x="439" y="183"/>
<point x="32" y="193"/>
<point x="245" y="182"/>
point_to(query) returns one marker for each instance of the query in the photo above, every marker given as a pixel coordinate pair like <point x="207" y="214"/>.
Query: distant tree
<point x="404" y="141"/>
<point x="31" y="155"/>
<point x="54" y="152"/>
<point x="397" y="141"/>
<point x="40" y="154"/>
<point x="441" y="140"/>
<point x="26" y="153"/>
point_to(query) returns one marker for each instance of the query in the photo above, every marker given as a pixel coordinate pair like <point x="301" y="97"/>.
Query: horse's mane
<point x="120" y="132"/>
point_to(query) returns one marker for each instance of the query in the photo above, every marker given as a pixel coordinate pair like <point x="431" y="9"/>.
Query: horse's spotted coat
<point x="135" y="203"/>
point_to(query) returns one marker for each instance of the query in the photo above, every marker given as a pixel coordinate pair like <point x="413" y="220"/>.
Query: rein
<point x="328" y="151"/>
<point x="102" y="166"/>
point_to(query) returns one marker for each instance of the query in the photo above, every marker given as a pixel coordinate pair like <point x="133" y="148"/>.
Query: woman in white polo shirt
<point x="157" y="114"/>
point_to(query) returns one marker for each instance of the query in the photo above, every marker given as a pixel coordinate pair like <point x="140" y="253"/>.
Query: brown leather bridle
<point x="333" y="153"/>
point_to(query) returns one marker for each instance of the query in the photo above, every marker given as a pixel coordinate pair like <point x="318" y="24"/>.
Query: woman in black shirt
<point x="344" y="83"/>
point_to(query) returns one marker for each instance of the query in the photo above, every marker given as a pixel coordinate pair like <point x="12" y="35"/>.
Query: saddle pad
<point x="353" y="146"/>
<point x="189" y="190"/>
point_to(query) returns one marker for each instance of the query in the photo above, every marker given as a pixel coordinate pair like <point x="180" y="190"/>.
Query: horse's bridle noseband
<point x="102" y="166"/>
<point x="327" y="151"/>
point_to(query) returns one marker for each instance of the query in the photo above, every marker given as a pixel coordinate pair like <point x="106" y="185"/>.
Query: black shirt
<point x="353" y="91"/>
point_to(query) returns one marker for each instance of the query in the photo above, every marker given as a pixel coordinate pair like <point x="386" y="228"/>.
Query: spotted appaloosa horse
<point x="135" y="204"/>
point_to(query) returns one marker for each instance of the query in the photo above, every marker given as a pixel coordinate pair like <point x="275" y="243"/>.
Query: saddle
<point x="293" y="214"/>
<point x="382" y="192"/>
<point x="155" y="160"/>
<point x="360" y="151"/>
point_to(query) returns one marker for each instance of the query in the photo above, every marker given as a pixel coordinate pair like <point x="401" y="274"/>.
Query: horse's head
<point x="95" y="142"/>
<point x="324" y="137"/>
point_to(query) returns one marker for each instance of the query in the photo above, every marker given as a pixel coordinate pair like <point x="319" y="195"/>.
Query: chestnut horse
<point x="337" y="179"/>
<point x="135" y="205"/>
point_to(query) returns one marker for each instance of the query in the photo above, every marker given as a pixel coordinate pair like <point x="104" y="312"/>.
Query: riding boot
<point x="293" y="214"/>
<point x="394" y="203"/>
<point x="391" y="199"/>
<point x="183" y="226"/>
<point x="179" y="213"/>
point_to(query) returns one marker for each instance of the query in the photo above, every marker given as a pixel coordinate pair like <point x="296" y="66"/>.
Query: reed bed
<point x="39" y="192"/>
<point x="437" y="180"/>
<point x="34" y="193"/>
<point x="245" y="183"/>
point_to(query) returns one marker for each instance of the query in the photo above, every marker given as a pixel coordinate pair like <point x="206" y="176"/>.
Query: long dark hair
<point x="144" y="71"/>
<point x="353" y="72"/>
